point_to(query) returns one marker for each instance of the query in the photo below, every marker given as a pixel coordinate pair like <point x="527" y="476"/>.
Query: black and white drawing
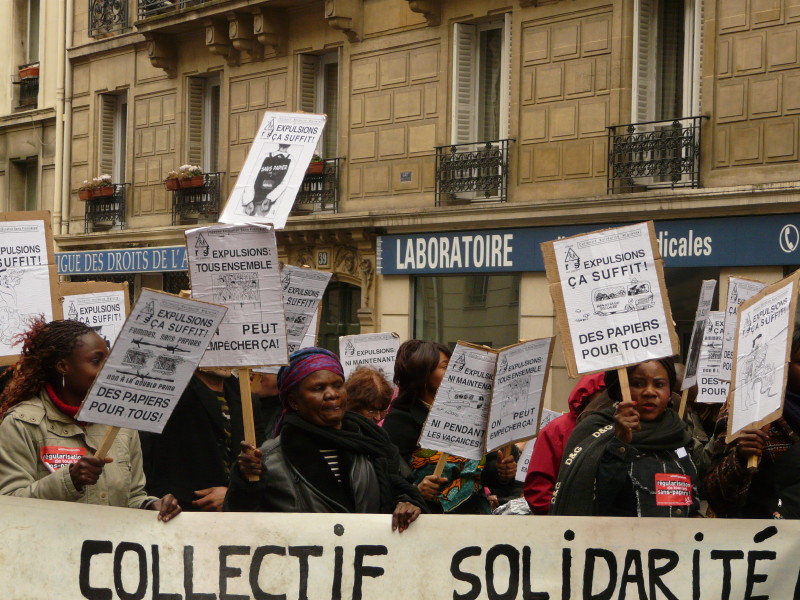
<point x="622" y="298"/>
<point x="136" y="358"/>
<point x="267" y="186"/>
<point x="166" y="364"/>
<point x="237" y="288"/>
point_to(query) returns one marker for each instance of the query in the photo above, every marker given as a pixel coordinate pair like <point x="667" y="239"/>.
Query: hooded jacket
<point x="549" y="447"/>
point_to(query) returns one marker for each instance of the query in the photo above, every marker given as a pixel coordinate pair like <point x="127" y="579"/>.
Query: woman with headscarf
<point x="324" y="458"/>
<point x="630" y="459"/>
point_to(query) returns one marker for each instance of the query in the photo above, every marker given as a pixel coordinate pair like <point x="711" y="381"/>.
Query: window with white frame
<point x="113" y="138"/>
<point x="32" y="41"/>
<point x="481" y="65"/>
<point x="318" y="92"/>
<point x="202" y="124"/>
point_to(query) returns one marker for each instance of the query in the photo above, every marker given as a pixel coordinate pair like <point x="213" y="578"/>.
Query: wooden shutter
<point x="307" y="83"/>
<point x="465" y="38"/>
<point x="108" y="118"/>
<point x="505" y="78"/>
<point x="644" y="64"/>
<point x="330" y="105"/>
<point x="195" y="123"/>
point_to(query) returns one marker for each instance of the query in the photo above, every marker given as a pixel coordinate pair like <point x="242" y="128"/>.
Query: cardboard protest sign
<point x="157" y="351"/>
<point x="739" y="290"/>
<point x="102" y="305"/>
<point x="376" y="350"/>
<point x="711" y="388"/>
<point x="527" y="452"/>
<point x="302" y="292"/>
<point x="28" y="276"/>
<point x="237" y="266"/>
<point x="456" y="423"/>
<point x="700" y="317"/>
<point x="519" y="382"/>
<point x="607" y="288"/>
<point x="274" y="169"/>
<point x="761" y="355"/>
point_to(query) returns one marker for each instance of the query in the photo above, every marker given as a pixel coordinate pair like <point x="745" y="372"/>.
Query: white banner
<point x="519" y="383"/>
<point x="525" y="458"/>
<point x="739" y="290"/>
<point x="376" y="350"/>
<point x="700" y="318"/>
<point x="711" y="388"/>
<point x="763" y="339"/>
<point x="607" y="289"/>
<point x="102" y="311"/>
<point x="157" y="351"/>
<point x="274" y="169"/>
<point x="73" y="551"/>
<point x="302" y="292"/>
<point x="237" y="266"/>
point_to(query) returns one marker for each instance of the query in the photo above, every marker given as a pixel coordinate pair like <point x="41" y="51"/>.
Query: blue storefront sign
<point x="126" y="260"/>
<point x="714" y="242"/>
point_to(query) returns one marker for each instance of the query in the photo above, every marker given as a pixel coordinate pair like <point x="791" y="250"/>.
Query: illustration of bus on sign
<point x="622" y="298"/>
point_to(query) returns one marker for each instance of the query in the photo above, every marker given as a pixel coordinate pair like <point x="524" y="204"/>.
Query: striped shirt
<point x="331" y="456"/>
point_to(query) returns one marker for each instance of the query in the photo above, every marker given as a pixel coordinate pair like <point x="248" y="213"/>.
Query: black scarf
<point x="574" y="493"/>
<point x="791" y="410"/>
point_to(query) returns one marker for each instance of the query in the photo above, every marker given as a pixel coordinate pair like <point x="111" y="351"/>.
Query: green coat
<point x="35" y="424"/>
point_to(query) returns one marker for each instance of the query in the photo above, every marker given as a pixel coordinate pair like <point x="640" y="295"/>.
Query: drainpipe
<point x="66" y="154"/>
<point x="57" y="217"/>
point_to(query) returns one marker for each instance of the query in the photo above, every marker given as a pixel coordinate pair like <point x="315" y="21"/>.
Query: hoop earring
<point x="63" y="382"/>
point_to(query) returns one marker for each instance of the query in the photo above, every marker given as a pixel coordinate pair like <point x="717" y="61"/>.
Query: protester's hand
<point x="249" y="460"/>
<point x="210" y="499"/>
<point x="494" y="501"/>
<point x="431" y="486"/>
<point x="404" y="514"/>
<point x="87" y="470"/>
<point x="626" y="420"/>
<point x="167" y="507"/>
<point x="506" y="466"/>
<point x="750" y="443"/>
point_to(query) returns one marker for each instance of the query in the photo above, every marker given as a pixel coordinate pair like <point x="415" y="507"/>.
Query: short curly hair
<point x="367" y="389"/>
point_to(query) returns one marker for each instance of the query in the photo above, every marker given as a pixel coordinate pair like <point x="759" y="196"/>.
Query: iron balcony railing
<point x="153" y="8"/>
<point x="476" y="171"/>
<point x="107" y="16"/>
<point x="108" y="210"/>
<point x="29" y="91"/>
<point x="654" y="154"/>
<point x="319" y="192"/>
<point x="194" y="202"/>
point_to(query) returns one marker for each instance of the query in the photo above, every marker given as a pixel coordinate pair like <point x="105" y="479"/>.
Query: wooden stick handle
<point x="437" y="472"/>
<point x="624" y="386"/>
<point x="247" y="412"/>
<point x="752" y="463"/>
<point x="684" y="400"/>
<point x="105" y="443"/>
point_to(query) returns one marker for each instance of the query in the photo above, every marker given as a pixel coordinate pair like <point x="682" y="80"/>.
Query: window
<point x="113" y="135"/>
<point x="318" y="92"/>
<point x="481" y="70"/>
<point x="32" y="37"/>
<point x="474" y="308"/>
<point x="25" y="184"/>
<point x="202" y="125"/>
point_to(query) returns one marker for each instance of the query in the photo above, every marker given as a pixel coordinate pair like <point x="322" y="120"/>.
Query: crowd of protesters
<point x="326" y="444"/>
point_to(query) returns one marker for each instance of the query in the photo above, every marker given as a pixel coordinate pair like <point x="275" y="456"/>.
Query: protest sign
<point x="237" y="266"/>
<point x="700" y="317"/>
<point x="711" y="388"/>
<point x="761" y="355"/>
<point x="28" y="276"/>
<point x="274" y="169"/>
<point x="739" y="290"/>
<point x="525" y="458"/>
<point x="157" y="351"/>
<point x="302" y="292"/>
<point x="376" y="350"/>
<point x="519" y="382"/>
<point x="607" y="288"/>
<point x="71" y="550"/>
<point x="102" y="305"/>
<point x="456" y="422"/>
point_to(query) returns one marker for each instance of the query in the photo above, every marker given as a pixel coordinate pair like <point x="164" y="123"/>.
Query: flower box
<point x="172" y="184"/>
<point x="85" y="194"/>
<point x="103" y="192"/>
<point x="29" y="71"/>
<point x="315" y="167"/>
<point x="193" y="182"/>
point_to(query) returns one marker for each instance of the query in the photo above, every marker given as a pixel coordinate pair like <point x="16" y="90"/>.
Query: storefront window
<point x="482" y="309"/>
<point x="340" y="306"/>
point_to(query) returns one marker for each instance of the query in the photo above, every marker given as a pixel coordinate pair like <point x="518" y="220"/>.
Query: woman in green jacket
<point x="45" y="452"/>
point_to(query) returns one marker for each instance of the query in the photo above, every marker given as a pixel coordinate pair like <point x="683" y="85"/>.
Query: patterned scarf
<point x="464" y="478"/>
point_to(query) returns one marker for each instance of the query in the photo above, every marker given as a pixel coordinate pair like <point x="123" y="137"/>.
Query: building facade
<point x="460" y="135"/>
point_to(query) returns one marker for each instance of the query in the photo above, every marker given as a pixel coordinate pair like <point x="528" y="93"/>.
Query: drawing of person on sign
<point x="273" y="171"/>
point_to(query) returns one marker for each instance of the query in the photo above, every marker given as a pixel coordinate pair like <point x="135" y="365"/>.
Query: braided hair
<point x="43" y="345"/>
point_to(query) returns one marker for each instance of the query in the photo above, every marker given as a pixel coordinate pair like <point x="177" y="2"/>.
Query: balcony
<point x="190" y="204"/>
<point x="107" y="17"/>
<point x="319" y="192"/>
<point x="154" y="8"/>
<point x="106" y="211"/>
<point x="28" y="83"/>
<point x="654" y="154"/>
<point x="473" y="172"/>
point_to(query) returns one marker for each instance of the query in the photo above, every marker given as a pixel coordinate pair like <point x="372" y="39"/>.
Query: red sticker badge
<point x="673" y="489"/>
<point x="55" y="457"/>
